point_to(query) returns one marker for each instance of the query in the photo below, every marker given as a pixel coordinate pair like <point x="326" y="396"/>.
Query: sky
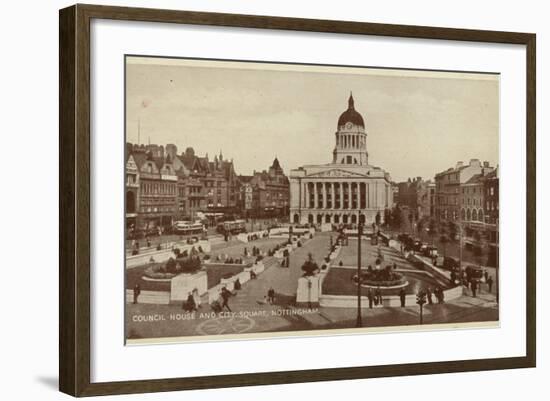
<point x="418" y="123"/>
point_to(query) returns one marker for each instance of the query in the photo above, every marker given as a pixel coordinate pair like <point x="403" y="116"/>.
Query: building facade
<point x="448" y="195"/>
<point x="151" y="195"/>
<point x="163" y="186"/>
<point x="491" y="205"/>
<point x="266" y="193"/>
<point x="415" y="194"/>
<point x="348" y="190"/>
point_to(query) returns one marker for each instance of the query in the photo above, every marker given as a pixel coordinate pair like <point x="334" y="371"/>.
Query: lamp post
<point x="359" y="230"/>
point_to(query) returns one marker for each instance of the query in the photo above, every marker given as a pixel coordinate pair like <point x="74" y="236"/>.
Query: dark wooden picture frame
<point x="74" y="202"/>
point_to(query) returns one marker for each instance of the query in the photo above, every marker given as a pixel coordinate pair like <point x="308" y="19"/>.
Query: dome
<point x="350" y="115"/>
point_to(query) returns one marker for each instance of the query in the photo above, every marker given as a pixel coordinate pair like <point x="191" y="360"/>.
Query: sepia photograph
<point x="276" y="199"/>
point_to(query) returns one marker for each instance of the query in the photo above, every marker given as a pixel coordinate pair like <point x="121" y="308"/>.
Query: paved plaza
<point x="251" y="313"/>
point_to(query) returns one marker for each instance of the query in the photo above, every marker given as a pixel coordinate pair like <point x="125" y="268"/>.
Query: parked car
<point x="450" y="263"/>
<point x="404" y="238"/>
<point x="430" y="251"/>
<point x="474" y="273"/>
<point x="417" y="245"/>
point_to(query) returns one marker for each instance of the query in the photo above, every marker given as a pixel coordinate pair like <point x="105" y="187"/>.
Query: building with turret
<point x="348" y="190"/>
<point x="265" y="193"/>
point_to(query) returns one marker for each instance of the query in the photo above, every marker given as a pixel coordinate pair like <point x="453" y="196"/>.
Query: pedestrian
<point x="486" y="275"/>
<point x="453" y="277"/>
<point x="370" y="297"/>
<point x="429" y="295"/>
<point x="473" y="286"/>
<point x="378" y="297"/>
<point x="137" y="291"/>
<point x="196" y="298"/>
<point x="490" y="283"/>
<point x="402" y="297"/>
<point x="438" y="294"/>
<point x="189" y="304"/>
<point x="225" y="297"/>
<point x="271" y="295"/>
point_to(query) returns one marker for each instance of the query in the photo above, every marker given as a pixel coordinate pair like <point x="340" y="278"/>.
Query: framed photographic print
<point x="277" y="200"/>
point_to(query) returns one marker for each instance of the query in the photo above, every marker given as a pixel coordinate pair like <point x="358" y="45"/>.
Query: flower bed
<point x="381" y="278"/>
<point x="158" y="272"/>
<point x="173" y="267"/>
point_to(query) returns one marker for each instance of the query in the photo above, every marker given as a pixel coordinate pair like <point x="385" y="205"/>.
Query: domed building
<point x="348" y="190"/>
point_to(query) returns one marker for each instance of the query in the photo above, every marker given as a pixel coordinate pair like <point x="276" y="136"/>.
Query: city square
<point x="247" y="301"/>
<point x="313" y="246"/>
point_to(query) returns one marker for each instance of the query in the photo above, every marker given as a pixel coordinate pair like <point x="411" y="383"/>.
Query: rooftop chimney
<point x="459" y="164"/>
<point x="475" y="162"/>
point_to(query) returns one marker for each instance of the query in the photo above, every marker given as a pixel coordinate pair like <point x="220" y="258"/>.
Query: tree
<point x="396" y="217"/>
<point x="452" y="230"/>
<point x="387" y="217"/>
<point x="420" y="225"/>
<point x="432" y="231"/>
<point x="444" y="239"/>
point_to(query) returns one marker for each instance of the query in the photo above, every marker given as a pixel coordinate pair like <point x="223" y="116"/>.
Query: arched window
<point x="480" y="215"/>
<point x="362" y="219"/>
<point x="296" y="218"/>
<point x="327" y="218"/>
<point x="345" y="219"/>
<point x="353" y="219"/>
<point x="468" y="215"/>
<point x="463" y="214"/>
<point x="310" y="219"/>
<point x="319" y="219"/>
<point x="130" y="202"/>
<point x="336" y="219"/>
<point x="474" y="215"/>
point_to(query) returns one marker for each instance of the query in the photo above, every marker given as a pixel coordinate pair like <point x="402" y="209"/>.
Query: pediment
<point x="335" y="172"/>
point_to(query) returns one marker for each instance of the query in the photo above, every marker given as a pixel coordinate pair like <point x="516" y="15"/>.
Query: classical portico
<point x="346" y="191"/>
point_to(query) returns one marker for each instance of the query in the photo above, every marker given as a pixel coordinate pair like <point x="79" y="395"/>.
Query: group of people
<point x="229" y="260"/>
<point x="222" y="302"/>
<point x="473" y="284"/>
<point x="193" y="301"/>
<point x="437" y="292"/>
<point x="374" y="297"/>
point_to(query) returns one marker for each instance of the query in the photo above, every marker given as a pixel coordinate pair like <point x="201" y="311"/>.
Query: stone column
<point x="324" y="192"/>
<point x="368" y="195"/>
<point x="315" y="196"/>
<point x="306" y="195"/>
<point x="332" y="196"/>
<point x="350" y="195"/>
<point x="356" y="196"/>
